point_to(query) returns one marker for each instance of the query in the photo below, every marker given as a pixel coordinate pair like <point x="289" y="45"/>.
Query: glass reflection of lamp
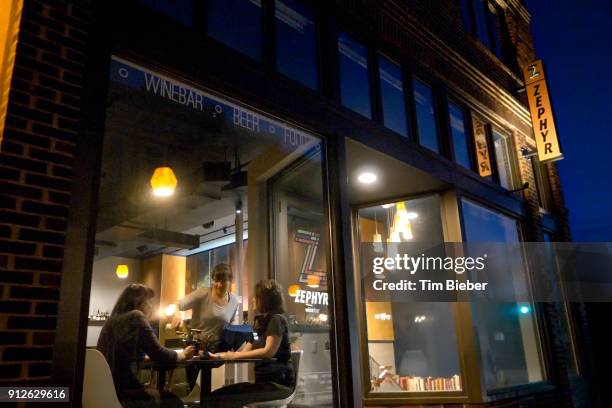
<point x="292" y="290"/>
<point x="377" y="239"/>
<point x="313" y="281"/>
<point x="122" y="271"/>
<point x="163" y="182"/>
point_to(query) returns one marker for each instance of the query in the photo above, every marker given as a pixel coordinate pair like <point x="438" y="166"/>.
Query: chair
<point x="98" y="386"/>
<point x="295" y="359"/>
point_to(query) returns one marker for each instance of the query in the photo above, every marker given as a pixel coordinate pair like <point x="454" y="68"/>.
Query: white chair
<point x="98" y="386"/>
<point x="295" y="359"/>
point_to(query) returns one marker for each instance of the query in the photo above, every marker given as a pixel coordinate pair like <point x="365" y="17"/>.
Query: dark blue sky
<point x="574" y="38"/>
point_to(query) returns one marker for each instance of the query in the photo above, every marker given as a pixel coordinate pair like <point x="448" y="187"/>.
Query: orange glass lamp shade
<point x="292" y="290"/>
<point x="122" y="271"/>
<point x="313" y="281"/>
<point x="163" y="182"/>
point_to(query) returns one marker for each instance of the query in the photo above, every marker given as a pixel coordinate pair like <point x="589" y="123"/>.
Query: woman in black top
<point x="274" y="379"/>
<point x="124" y="340"/>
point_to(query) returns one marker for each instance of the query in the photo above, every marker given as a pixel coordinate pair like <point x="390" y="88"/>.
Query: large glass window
<point x="505" y="331"/>
<point x="501" y="144"/>
<point x="461" y="152"/>
<point x="296" y="51"/>
<point x="354" y="77"/>
<point x="237" y="24"/>
<point x="392" y="94"/>
<point x="425" y="115"/>
<point x="481" y="17"/>
<point x="189" y="182"/>
<point x="411" y="346"/>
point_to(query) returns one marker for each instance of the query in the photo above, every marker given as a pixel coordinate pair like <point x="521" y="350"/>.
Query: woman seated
<point x="274" y="379"/>
<point x="125" y="337"/>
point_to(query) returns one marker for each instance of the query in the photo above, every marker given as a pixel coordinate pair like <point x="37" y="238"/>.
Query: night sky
<point x="574" y="38"/>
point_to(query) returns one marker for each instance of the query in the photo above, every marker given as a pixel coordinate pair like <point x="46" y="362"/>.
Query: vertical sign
<point x="542" y="118"/>
<point x="482" y="148"/>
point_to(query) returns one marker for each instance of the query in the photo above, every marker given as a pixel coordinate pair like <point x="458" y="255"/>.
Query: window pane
<point x="425" y="115"/>
<point x="237" y="24"/>
<point x="459" y="135"/>
<point x="493" y="30"/>
<point x="506" y="337"/>
<point x="482" y="31"/>
<point x="354" y="80"/>
<point x="180" y="10"/>
<point x="502" y="157"/>
<point x="392" y="94"/>
<point x="466" y="17"/>
<point x="412" y="347"/>
<point x="296" y="52"/>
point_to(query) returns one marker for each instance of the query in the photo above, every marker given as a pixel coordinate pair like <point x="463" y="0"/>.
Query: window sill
<point x="516" y="391"/>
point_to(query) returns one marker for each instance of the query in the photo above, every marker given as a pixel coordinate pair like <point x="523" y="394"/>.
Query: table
<point x="206" y="365"/>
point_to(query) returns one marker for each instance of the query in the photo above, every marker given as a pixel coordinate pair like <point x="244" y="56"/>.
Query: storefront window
<point x="411" y="346"/>
<point x="354" y="77"/>
<point x="505" y="331"/>
<point x="425" y="115"/>
<point x="502" y="157"/>
<point x="237" y="24"/>
<point x="392" y="94"/>
<point x="461" y="151"/>
<point x="191" y="181"/>
<point x="296" y="51"/>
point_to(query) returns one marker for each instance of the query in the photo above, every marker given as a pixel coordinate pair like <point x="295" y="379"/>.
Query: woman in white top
<point x="212" y="307"/>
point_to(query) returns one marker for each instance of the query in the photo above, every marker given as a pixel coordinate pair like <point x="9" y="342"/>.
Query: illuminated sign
<point x="482" y="148"/>
<point x="311" y="297"/>
<point x="542" y="118"/>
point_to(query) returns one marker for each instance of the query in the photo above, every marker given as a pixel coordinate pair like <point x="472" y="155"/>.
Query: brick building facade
<point x="52" y="131"/>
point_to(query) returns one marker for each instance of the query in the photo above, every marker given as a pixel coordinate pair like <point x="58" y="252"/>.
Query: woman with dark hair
<point x="124" y="340"/>
<point x="274" y="377"/>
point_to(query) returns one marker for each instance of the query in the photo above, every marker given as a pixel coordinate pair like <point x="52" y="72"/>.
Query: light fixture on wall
<point x="163" y="181"/>
<point x="122" y="271"/>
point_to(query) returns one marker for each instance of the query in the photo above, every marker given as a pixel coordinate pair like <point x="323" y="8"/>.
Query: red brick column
<point x="36" y="161"/>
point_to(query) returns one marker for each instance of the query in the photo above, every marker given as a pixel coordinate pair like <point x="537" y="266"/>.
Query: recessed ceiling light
<point x="412" y="215"/>
<point x="367" y="177"/>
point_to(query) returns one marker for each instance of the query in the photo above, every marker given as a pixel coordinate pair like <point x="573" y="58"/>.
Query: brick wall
<point x="35" y="179"/>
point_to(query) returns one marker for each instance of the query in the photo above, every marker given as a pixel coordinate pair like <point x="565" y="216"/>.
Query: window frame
<point x="405" y="96"/>
<point x="510" y="151"/>
<point x="494" y="26"/>
<point x="469" y="139"/>
<point x="435" y="87"/>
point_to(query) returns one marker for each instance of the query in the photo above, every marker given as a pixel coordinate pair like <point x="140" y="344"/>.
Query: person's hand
<point x="186" y="353"/>
<point x="176" y="322"/>
<point x="227" y="355"/>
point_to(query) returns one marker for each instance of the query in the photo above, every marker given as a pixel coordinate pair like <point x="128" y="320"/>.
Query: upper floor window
<point x="459" y="140"/>
<point x="542" y="180"/>
<point x="296" y="51"/>
<point x="501" y="145"/>
<point x="354" y="79"/>
<point x="425" y="115"/>
<point x="482" y="18"/>
<point x="392" y="95"/>
<point x="237" y="24"/>
<point x="180" y="10"/>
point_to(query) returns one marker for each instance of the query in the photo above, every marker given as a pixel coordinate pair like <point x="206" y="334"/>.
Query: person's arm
<point x="267" y="351"/>
<point x="154" y="350"/>
<point x="191" y="300"/>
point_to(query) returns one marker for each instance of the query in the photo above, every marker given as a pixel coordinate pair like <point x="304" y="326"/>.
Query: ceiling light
<point x="163" y="182"/>
<point x="367" y="177"/>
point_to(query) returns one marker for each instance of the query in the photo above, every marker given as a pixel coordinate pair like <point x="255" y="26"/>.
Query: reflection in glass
<point x="425" y="115"/>
<point x="502" y="158"/>
<point x="237" y="24"/>
<point x="459" y="135"/>
<point x="354" y="79"/>
<point x="412" y="347"/>
<point x="296" y="51"/>
<point x="392" y="94"/>
<point x="505" y="332"/>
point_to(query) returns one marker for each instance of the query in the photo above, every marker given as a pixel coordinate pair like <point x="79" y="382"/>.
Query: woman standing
<point x="125" y="339"/>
